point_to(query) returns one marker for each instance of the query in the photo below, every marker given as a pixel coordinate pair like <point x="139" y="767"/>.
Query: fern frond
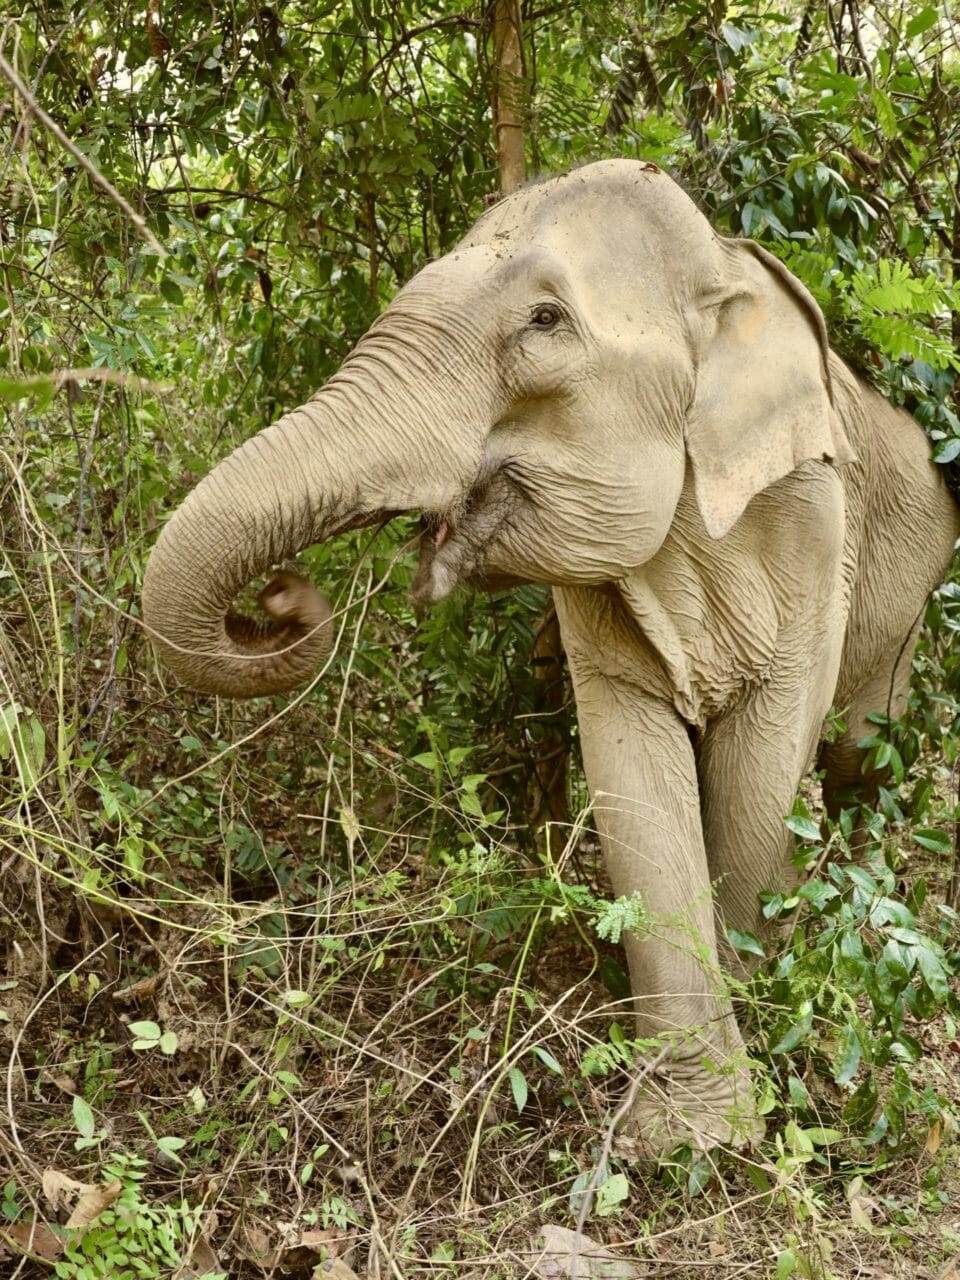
<point x="901" y="338"/>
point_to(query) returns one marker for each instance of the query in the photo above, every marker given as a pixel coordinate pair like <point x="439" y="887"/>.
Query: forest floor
<point x="345" y="1107"/>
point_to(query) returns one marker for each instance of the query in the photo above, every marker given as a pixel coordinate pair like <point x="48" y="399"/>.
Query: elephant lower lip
<point x="441" y="535"/>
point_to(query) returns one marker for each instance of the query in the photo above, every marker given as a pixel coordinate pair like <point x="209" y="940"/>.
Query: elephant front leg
<point x="642" y="775"/>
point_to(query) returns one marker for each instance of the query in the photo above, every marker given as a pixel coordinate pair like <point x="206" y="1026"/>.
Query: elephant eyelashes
<point x="545" y="317"/>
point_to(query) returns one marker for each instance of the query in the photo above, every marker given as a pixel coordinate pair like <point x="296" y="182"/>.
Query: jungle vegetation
<point x="324" y="984"/>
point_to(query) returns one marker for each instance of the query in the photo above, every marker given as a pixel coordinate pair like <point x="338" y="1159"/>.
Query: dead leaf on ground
<point x="34" y="1238"/>
<point x="332" y="1240"/>
<point x="862" y="1209"/>
<point x="255" y="1245"/>
<point x="88" y="1199"/>
<point x="142" y="990"/>
<point x="555" y="1246"/>
<point x="202" y="1262"/>
<point x="950" y="1272"/>
<point x="298" y="1248"/>
<point x="337" y="1269"/>
<point x="59" y="1186"/>
<point x="934" y="1138"/>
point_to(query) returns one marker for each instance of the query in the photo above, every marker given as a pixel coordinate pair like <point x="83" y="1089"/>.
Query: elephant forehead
<point x="619" y="218"/>
<point x="614" y="188"/>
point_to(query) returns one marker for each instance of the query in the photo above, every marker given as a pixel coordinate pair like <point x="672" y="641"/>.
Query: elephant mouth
<point x="453" y="545"/>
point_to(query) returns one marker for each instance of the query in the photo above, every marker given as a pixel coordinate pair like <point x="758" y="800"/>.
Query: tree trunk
<point x="508" y="95"/>
<point x="550" y="751"/>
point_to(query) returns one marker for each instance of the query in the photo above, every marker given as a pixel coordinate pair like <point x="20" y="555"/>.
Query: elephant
<point x="595" y="391"/>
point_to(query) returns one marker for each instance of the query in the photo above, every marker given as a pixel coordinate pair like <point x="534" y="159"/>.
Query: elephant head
<point x="538" y="395"/>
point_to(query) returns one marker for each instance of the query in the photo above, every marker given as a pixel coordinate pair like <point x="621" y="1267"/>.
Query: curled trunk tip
<point x="249" y="657"/>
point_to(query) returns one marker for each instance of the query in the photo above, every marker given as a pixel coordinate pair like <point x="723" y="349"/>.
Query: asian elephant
<point x="595" y="391"/>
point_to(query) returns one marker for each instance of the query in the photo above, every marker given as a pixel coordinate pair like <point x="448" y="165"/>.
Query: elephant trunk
<point x="356" y="452"/>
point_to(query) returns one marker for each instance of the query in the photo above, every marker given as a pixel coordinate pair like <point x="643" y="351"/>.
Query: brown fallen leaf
<point x="141" y="990"/>
<point x="59" y="1186"/>
<point x="255" y="1246"/>
<point x="934" y="1138"/>
<point x="301" y="1248"/>
<point x="862" y="1209"/>
<point x="336" y="1269"/>
<point x="330" y="1239"/>
<point x="35" y="1239"/>
<point x="88" y="1199"/>
<point x="297" y="1248"/>
<point x="92" y="1201"/>
<point x="201" y="1263"/>
<point x="555" y="1246"/>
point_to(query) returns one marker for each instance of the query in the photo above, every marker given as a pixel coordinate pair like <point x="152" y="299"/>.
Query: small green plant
<point x="23" y="741"/>
<point x="10" y="1202"/>
<point x="131" y="1239"/>
<point x="867" y="961"/>
<point x="149" y="1038"/>
<point x="614" y="918"/>
<point x="86" y="1125"/>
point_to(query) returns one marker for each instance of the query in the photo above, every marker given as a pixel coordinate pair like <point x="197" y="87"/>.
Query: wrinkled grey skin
<point x="595" y="391"/>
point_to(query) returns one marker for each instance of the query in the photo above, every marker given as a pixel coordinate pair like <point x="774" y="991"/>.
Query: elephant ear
<point x="764" y="401"/>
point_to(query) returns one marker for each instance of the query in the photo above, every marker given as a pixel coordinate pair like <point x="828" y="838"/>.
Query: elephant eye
<point x="546" y="316"/>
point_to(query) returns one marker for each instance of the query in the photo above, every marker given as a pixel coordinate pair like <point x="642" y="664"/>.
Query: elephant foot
<point x="681" y="1105"/>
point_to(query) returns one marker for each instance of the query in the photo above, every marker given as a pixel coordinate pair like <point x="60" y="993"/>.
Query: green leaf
<point x="886" y="115"/>
<point x="548" y="1060"/>
<point x="519" y="1087"/>
<point x="922" y="22"/>
<point x="931" y="838"/>
<point x="947" y="450"/>
<point x="737" y="38"/>
<point x="296" y="998"/>
<point x="746" y="942"/>
<point x="168" y="1042"/>
<point x="823" y="1137"/>
<point x="700" y="1175"/>
<point x="83" y="1117"/>
<point x="858" y="1112"/>
<point x="133" y="856"/>
<point x="797" y="1139"/>
<point x="863" y="880"/>
<point x="23" y="738"/>
<point x="818" y="893"/>
<point x="805" y="828"/>
<point x="849" y="1053"/>
<point x="799" y="1096"/>
<point x="786" y="1264"/>
<point x="171" y="291"/>
<point x="797" y="1032"/>
<point x="611" y="1193"/>
<point x="145" y="1031"/>
<point x="933" y="971"/>
<point x="41" y="389"/>
<point x="170" y="1147"/>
